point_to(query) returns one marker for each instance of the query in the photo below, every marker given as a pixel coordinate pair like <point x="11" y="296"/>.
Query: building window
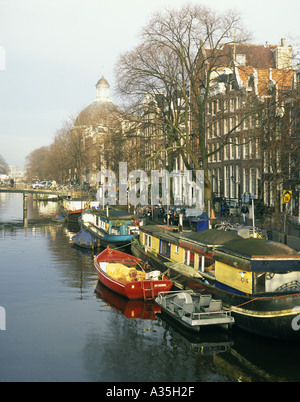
<point x="232" y="123"/>
<point x="238" y="123"/>
<point x="214" y="107"/>
<point x="226" y="106"/>
<point x="226" y="151"/>
<point x="246" y="149"/>
<point x="257" y="149"/>
<point x="209" y="108"/>
<point x="232" y="104"/>
<point x="226" y="126"/>
<point x="218" y="153"/>
<point x="219" y="128"/>
<point x="237" y="148"/>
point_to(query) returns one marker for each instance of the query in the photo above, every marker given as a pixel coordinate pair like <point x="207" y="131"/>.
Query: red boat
<point x="129" y="276"/>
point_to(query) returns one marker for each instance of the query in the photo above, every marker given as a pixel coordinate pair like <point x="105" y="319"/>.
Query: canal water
<point x="58" y="324"/>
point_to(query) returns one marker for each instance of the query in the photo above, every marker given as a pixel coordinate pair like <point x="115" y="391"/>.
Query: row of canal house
<point x="249" y="146"/>
<point x="259" y="141"/>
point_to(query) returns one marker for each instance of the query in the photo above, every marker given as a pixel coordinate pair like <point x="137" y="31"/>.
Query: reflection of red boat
<point x="129" y="308"/>
<point x="126" y="275"/>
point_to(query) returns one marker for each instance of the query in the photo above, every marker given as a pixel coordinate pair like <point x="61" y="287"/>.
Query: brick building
<point x="249" y="83"/>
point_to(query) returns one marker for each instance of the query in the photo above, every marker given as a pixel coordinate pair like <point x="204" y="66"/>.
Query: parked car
<point x="36" y="185"/>
<point x="42" y="184"/>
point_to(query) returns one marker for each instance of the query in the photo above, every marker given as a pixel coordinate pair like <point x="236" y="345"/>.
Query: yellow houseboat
<point x="259" y="280"/>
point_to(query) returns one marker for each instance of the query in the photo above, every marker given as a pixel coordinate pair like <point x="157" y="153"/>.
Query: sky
<point x="53" y="52"/>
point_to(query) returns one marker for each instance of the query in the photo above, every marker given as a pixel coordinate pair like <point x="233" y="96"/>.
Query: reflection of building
<point x="98" y="128"/>
<point x="246" y="75"/>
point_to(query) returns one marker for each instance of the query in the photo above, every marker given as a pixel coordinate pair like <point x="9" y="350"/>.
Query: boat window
<point x="189" y="258"/>
<point x="147" y="241"/>
<point x="164" y="248"/>
<point x="206" y="264"/>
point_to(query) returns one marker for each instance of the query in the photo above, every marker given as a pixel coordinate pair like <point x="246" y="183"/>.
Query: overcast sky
<point x="52" y="53"/>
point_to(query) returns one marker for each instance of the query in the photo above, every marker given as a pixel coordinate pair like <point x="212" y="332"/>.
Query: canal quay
<point x="60" y="324"/>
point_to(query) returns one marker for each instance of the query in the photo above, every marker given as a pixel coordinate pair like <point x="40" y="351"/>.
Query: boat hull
<point x="73" y="216"/>
<point x="272" y="316"/>
<point x="133" y="290"/>
<point x="106" y="239"/>
<point x="193" y="318"/>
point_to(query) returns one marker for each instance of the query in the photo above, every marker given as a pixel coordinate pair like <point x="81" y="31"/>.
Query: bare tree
<point x="280" y="143"/>
<point x="3" y="165"/>
<point x="35" y="164"/>
<point x="171" y="60"/>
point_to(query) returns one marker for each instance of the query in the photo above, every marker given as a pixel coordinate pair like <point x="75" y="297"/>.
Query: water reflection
<point x="63" y="325"/>
<point x="128" y="308"/>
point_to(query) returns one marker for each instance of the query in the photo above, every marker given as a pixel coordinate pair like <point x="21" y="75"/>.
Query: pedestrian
<point x="223" y="209"/>
<point x="244" y="212"/>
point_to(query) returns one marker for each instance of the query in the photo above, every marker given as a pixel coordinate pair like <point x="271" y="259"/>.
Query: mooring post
<point x="25" y="209"/>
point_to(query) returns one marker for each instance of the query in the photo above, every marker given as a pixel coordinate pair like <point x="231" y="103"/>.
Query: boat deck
<point x="195" y="310"/>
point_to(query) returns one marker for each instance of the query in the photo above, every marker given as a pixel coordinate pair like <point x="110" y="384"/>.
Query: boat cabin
<point x="225" y="259"/>
<point x="116" y="222"/>
<point x="75" y="204"/>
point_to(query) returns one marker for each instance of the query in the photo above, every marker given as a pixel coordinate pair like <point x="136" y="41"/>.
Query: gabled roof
<point x="258" y="56"/>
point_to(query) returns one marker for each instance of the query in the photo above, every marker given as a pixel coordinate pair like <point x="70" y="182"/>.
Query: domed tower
<point x="102" y="91"/>
<point x="100" y="125"/>
<point x="95" y="114"/>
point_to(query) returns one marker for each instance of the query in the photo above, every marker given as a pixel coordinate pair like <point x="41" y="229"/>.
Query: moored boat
<point x="126" y="275"/>
<point x="59" y="218"/>
<point x="84" y="239"/>
<point x="194" y="311"/>
<point x="258" y="279"/>
<point x="111" y="228"/>
<point x="73" y="208"/>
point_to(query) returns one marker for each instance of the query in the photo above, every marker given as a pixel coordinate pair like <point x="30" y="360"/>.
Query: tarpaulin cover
<point x="123" y="273"/>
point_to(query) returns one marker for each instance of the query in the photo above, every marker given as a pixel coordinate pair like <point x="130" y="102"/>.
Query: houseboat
<point x="258" y="279"/>
<point x="72" y="208"/>
<point x="111" y="227"/>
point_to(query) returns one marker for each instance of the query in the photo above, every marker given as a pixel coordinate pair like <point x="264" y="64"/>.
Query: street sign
<point x="286" y="196"/>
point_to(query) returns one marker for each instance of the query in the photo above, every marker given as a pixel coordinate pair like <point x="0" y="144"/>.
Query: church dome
<point x="96" y="113"/>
